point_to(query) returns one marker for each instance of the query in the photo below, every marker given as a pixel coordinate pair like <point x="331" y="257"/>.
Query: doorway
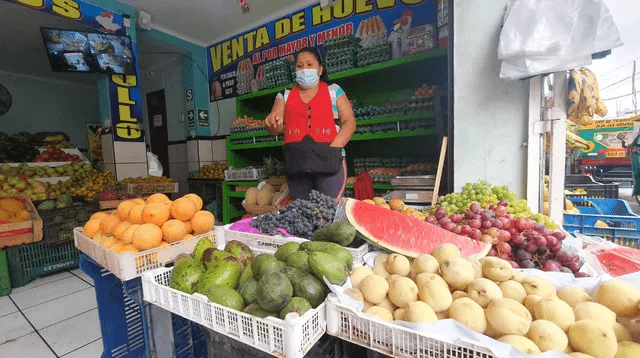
<point x="159" y="136"/>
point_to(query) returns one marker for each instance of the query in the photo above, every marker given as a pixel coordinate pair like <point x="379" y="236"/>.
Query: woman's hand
<point x="275" y="123"/>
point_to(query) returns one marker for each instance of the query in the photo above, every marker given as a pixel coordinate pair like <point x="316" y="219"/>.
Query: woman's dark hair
<point x="316" y="53"/>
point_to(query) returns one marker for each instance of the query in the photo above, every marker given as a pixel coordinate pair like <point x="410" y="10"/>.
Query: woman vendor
<point x="313" y="143"/>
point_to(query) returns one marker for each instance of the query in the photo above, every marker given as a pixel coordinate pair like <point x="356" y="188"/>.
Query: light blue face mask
<point x="307" y="78"/>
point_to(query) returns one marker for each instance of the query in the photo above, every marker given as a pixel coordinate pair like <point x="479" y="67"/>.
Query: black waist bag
<point x="311" y="157"/>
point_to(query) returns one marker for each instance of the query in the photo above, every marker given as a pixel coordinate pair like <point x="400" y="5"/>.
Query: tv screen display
<point x="77" y="51"/>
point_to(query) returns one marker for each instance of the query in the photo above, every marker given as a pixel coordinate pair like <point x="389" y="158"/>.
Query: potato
<point x="497" y="269"/>
<point x="518" y="276"/>
<point x="553" y="309"/>
<point x="442" y="315"/>
<point x="538" y="286"/>
<point x="403" y="291"/>
<point x="358" y="274"/>
<point x="574" y="295"/>
<point x="628" y="350"/>
<point x="419" y="312"/>
<point x="594" y="338"/>
<point x="513" y="289"/>
<point x="381" y="313"/>
<point x="380" y="271"/>
<point x="530" y="302"/>
<point x="548" y="336"/>
<point x="469" y="313"/>
<point x="367" y="305"/>
<point x="398" y="265"/>
<point x="424" y="263"/>
<point x="355" y="294"/>
<point x="632" y="325"/>
<point x="374" y="288"/>
<point x="477" y="267"/>
<point x="445" y="251"/>
<point x="594" y="311"/>
<point x="483" y="291"/>
<point x="398" y="315"/>
<point x="508" y="316"/>
<point x="622" y="333"/>
<point x="458" y="272"/>
<point x="380" y="260"/>
<point x="392" y="278"/>
<point x="579" y="355"/>
<point x="458" y="294"/>
<point x="387" y="304"/>
<point x="523" y="344"/>
<point x="491" y="331"/>
<point x="619" y="296"/>
<point x="435" y="292"/>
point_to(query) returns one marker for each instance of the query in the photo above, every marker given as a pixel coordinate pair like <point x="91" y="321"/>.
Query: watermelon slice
<point x="405" y="235"/>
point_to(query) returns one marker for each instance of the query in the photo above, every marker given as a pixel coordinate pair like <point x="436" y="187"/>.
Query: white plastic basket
<point x="392" y="339"/>
<point x="273" y="243"/>
<point x="290" y="338"/>
<point x="127" y="266"/>
<point x="245" y="174"/>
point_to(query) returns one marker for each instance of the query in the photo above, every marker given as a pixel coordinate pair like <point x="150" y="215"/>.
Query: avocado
<point x="306" y="285"/>
<point x="285" y="250"/>
<point x="227" y="274"/>
<point x="274" y="291"/>
<point x="248" y="289"/>
<point x="201" y="246"/>
<point x="225" y="296"/>
<point x="241" y="251"/>
<point x="334" y="269"/>
<point x="255" y="310"/>
<point x="299" y="260"/>
<point x="342" y="233"/>
<point x="330" y="248"/>
<point x="264" y="264"/>
<point x="186" y="274"/>
<point x="246" y="273"/>
<point x="211" y="257"/>
<point x="297" y="305"/>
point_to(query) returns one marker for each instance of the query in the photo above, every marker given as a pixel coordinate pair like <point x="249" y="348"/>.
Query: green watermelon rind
<point x="468" y="247"/>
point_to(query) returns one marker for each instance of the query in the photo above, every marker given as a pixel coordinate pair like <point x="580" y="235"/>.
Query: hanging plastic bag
<point x="155" y="167"/>
<point x="542" y="36"/>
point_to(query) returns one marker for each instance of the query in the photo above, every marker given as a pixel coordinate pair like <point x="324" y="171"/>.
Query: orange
<point x="202" y="222"/>
<point x="22" y="215"/>
<point x="124" y="208"/>
<point x="183" y="209"/>
<point x="11" y="205"/>
<point x="147" y="236"/>
<point x="5" y="215"/>
<point x="139" y="201"/>
<point x="155" y="213"/>
<point x="135" y="214"/>
<point x="196" y="200"/>
<point x="108" y="224"/>
<point x="98" y="238"/>
<point x="108" y="241"/>
<point x="157" y="198"/>
<point x="163" y="244"/>
<point x="187" y="237"/>
<point x="173" y="230"/>
<point x="117" y="246"/>
<point x="127" y="235"/>
<point x="120" y="229"/>
<point x="129" y="248"/>
<point x="187" y="227"/>
<point x="91" y="228"/>
<point x="99" y="215"/>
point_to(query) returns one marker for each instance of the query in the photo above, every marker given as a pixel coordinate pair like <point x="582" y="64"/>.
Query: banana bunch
<point x="583" y="100"/>
<point x="573" y="140"/>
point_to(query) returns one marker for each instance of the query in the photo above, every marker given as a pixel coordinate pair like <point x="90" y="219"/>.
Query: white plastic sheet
<point x="543" y="36"/>
<point x="155" y="167"/>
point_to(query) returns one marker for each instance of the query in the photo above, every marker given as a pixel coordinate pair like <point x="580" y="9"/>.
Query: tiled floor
<point x="51" y="317"/>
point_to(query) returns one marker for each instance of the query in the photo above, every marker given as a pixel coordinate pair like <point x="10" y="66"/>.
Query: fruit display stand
<point x="58" y="223"/>
<point x="290" y="338"/>
<point x="28" y="231"/>
<point x="271" y="244"/>
<point x="392" y="85"/>
<point x="127" y="266"/>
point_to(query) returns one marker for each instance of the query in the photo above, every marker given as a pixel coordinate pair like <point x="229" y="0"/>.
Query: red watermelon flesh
<point x="405" y="235"/>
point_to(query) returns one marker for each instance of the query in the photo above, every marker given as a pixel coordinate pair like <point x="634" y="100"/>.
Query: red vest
<point x="314" y="119"/>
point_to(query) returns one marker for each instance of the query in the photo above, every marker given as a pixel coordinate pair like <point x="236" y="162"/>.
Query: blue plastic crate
<point x="175" y="336"/>
<point x="623" y="225"/>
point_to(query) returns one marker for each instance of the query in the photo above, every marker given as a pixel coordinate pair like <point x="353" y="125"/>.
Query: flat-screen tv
<point x="78" y="51"/>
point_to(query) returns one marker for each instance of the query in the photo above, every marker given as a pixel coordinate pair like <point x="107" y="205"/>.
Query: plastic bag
<point x="542" y="36"/>
<point x="155" y="167"/>
<point x="605" y="256"/>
